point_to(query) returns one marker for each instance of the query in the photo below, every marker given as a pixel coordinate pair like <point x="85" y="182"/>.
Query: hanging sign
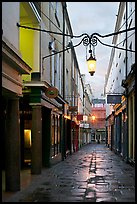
<point x="51" y="92"/>
<point x="114" y="99"/>
<point x="79" y="117"/>
<point x="73" y="108"/>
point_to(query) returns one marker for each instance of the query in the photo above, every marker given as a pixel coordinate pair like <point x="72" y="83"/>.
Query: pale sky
<point x="93" y="17"/>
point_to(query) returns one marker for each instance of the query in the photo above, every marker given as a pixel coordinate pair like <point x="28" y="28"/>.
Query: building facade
<point x="98" y="120"/>
<point x="120" y="82"/>
<point x="42" y="88"/>
<point x="13" y="67"/>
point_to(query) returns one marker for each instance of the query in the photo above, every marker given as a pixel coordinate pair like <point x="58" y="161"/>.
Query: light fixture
<point x="91" y="62"/>
<point x="87" y="40"/>
<point x="93" y="117"/>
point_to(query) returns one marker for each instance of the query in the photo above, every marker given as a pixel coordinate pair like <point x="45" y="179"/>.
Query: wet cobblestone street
<point x="93" y="174"/>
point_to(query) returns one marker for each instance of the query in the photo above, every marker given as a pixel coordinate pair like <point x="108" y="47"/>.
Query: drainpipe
<point x="63" y="119"/>
<point x="126" y="89"/>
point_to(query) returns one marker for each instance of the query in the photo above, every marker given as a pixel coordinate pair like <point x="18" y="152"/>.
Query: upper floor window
<point x="119" y="54"/>
<point x="124" y="60"/>
<point x="130" y="6"/>
<point x="56" y="13"/>
<point x="55" y="7"/>
<point x="124" y="42"/>
<point x="130" y="23"/>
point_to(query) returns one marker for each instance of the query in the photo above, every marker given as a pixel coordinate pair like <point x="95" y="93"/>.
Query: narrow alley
<point x="92" y="174"/>
<point x="68" y="102"/>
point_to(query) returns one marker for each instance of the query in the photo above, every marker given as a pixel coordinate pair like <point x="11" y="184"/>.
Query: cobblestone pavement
<point x="93" y="174"/>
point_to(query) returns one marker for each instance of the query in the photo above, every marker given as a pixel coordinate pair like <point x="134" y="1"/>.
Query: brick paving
<point x="93" y="174"/>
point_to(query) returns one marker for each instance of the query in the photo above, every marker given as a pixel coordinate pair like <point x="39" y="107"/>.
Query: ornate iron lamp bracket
<point x="90" y="40"/>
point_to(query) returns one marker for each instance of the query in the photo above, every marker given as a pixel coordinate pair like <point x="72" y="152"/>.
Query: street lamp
<point x="93" y="117"/>
<point x="87" y="40"/>
<point x="91" y="62"/>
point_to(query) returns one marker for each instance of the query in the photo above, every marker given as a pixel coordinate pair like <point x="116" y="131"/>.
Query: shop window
<point x="27" y="146"/>
<point x="55" y="145"/>
<point x="27" y="138"/>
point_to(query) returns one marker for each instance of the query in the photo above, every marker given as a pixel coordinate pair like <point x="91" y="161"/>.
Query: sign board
<point x="86" y="125"/>
<point x="98" y="101"/>
<point x="101" y="130"/>
<point x="85" y="118"/>
<point x="79" y="117"/>
<point x="114" y="99"/>
<point x="73" y="108"/>
<point x="51" y="92"/>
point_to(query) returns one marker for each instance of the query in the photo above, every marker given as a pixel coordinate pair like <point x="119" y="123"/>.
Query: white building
<point x="120" y="81"/>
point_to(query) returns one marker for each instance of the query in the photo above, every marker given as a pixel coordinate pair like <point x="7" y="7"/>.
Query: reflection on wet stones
<point x="96" y="179"/>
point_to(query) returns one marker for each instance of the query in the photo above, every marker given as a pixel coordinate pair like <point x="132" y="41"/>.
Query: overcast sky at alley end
<point x="93" y="17"/>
